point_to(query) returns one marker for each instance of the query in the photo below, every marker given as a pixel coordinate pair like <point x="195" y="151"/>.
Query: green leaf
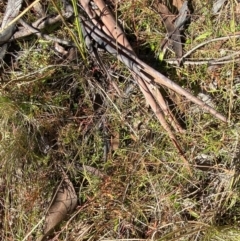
<point x="161" y="56"/>
<point x="203" y="36"/>
<point x="152" y="46"/>
<point x="232" y="25"/>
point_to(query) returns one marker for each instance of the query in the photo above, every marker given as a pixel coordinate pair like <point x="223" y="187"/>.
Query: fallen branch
<point x="110" y="36"/>
<point x="152" y="94"/>
<point x="142" y="69"/>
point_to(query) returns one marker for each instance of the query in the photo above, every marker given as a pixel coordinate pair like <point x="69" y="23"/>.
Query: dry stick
<point x="163" y="80"/>
<point x="112" y="27"/>
<point x="173" y="121"/>
<point x="19" y="16"/>
<point x="159" y="78"/>
<point x="154" y="105"/>
<point x="39" y="25"/>
<point x="155" y="94"/>
<point x="92" y="14"/>
<point x="132" y="63"/>
<point x="228" y="57"/>
<point x="174" y="36"/>
<point x="207" y="42"/>
<point x="142" y="69"/>
<point x="6" y="31"/>
<point x="33" y="30"/>
<point x="201" y="62"/>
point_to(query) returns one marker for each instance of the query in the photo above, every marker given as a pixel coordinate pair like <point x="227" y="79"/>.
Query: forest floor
<point x="59" y="112"/>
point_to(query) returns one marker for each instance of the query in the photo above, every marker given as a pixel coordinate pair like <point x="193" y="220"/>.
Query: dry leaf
<point x="177" y="3"/>
<point x="173" y="32"/>
<point x="64" y="202"/>
<point x="115" y="142"/>
<point x="12" y="10"/>
<point x="38" y="9"/>
<point x="182" y="15"/>
<point x="238" y="8"/>
<point x="92" y="170"/>
<point x="217" y="6"/>
<point x="60" y="49"/>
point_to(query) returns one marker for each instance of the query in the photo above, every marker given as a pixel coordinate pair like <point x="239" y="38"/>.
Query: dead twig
<point x="31" y="30"/>
<point x="40" y="24"/>
<point x="230" y="59"/>
<point x="142" y="69"/>
<point x="236" y="35"/>
<point x="173" y="33"/>
<point x="109" y="35"/>
<point x="119" y="40"/>
<point x="151" y="93"/>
